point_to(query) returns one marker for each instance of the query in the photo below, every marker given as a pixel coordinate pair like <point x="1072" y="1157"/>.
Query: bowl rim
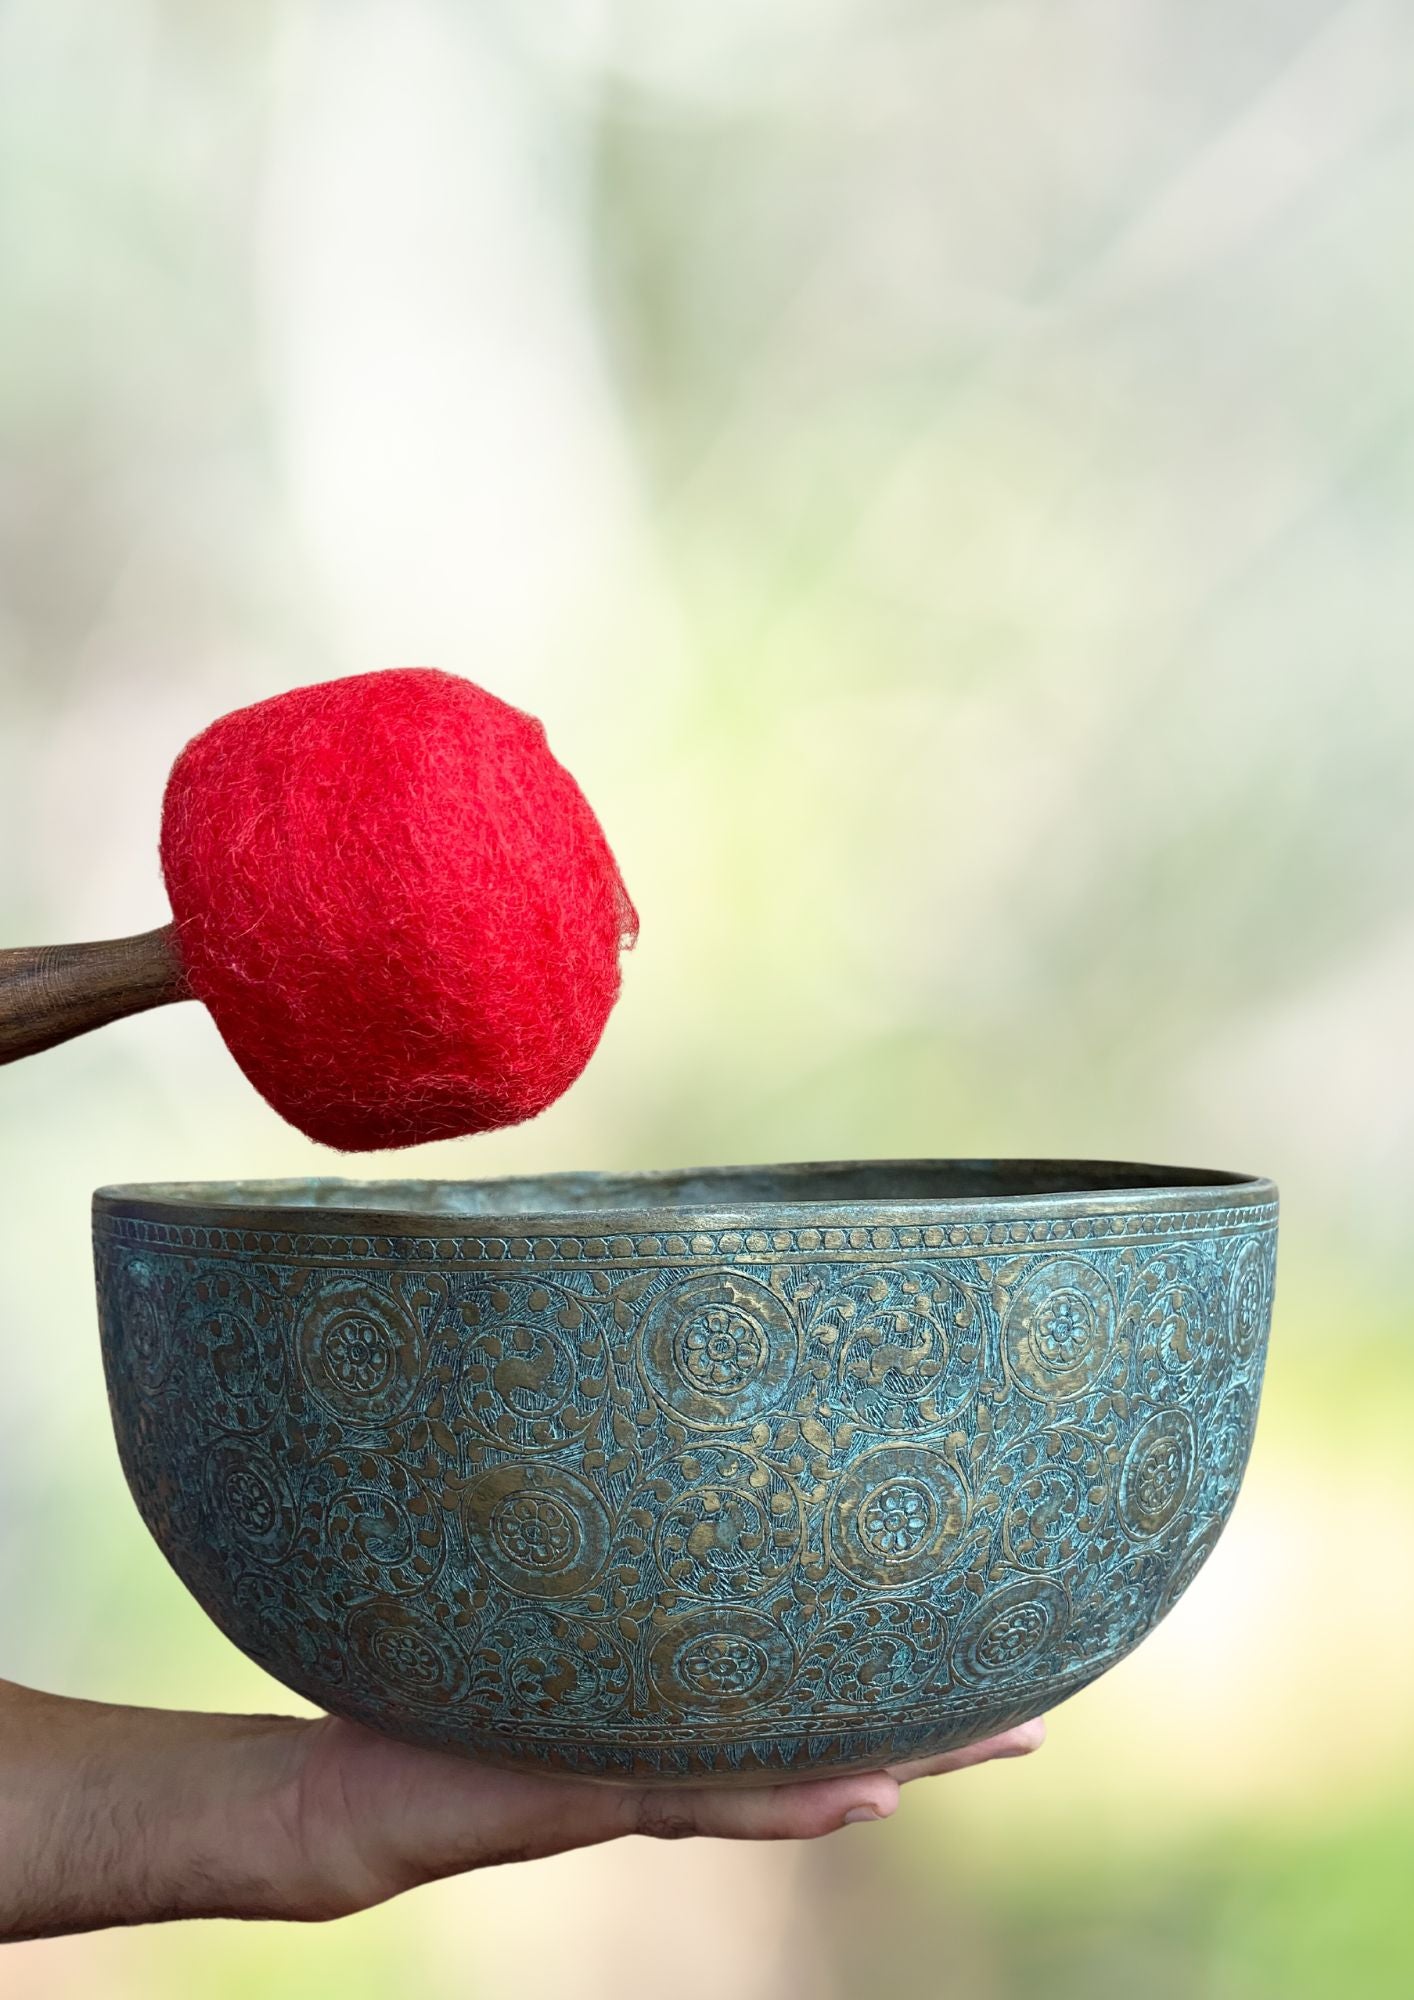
<point x="324" y="1202"/>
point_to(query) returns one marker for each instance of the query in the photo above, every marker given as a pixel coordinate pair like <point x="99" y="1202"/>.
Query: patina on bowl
<point x="716" y="1475"/>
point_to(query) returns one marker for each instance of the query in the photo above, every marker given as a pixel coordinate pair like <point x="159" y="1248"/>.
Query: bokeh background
<point x="945" y="471"/>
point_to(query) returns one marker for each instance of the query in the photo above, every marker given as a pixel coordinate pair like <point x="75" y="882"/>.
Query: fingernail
<point x="857" y="1815"/>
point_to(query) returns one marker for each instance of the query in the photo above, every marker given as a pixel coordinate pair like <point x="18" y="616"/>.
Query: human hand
<point x="378" y="1817"/>
<point x="127" y="1815"/>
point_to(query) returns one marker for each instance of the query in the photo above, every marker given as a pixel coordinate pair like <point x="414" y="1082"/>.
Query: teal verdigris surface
<point x="699" y="1476"/>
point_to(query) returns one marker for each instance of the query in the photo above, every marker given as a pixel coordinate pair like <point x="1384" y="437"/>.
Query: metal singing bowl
<point x="702" y="1476"/>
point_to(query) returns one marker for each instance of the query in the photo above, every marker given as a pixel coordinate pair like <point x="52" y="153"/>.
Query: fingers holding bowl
<point x="809" y="1810"/>
<point x="1021" y="1741"/>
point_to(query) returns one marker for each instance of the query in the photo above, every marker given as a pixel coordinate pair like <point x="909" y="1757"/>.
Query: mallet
<point x="398" y="906"/>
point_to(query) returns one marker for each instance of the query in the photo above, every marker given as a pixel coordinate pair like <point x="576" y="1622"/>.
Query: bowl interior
<point x="883" y="1184"/>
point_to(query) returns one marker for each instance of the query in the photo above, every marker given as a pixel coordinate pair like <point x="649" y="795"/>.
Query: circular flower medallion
<point x="362" y="1351"/>
<point x="1157" y="1472"/>
<point x="1009" y="1634"/>
<point x="1059" y="1329"/>
<point x="897" y="1519"/>
<point x="536" y="1531"/>
<point x="718" y="1349"/>
<point x="538" y="1528"/>
<point x="723" y="1666"/>
<point x="1251" y="1297"/>
<point x="249" y="1500"/>
<point x="719" y="1664"/>
<point x="405" y="1656"/>
<point x="897" y="1516"/>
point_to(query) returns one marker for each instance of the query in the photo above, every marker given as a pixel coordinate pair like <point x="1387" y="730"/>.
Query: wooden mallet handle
<point x="52" y="992"/>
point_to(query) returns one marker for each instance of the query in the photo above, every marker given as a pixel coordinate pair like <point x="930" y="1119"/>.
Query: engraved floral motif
<point x="1157" y="1471"/>
<point x="380" y="1525"/>
<point x="692" y="1506"/>
<point x="403" y="1651"/>
<point x="535" y="1530"/>
<point x="359" y="1353"/>
<point x="1251" y="1296"/>
<point x="721" y="1662"/>
<point x="248" y="1495"/>
<point x="363" y="1352"/>
<point x="897" y="1518"/>
<point x="898" y="1515"/>
<point x="137" y="1309"/>
<point x="1227" y="1442"/>
<point x="532" y="1363"/>
<point x="1010" y="1637"/>
<point x="1012" y="1631"/>
<point x="1063" y="1330"/>
<point x="409" y="1658"/>
<point x="250" y="1502"/>
<point x="1160" y="1477"/>
<point x="910" y="1345"/>
<point x="719" y="1348"/>
<point x="1059" y="1329"/>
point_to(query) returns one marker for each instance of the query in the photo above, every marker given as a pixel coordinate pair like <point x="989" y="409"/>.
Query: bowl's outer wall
<point x="700" y="1502"/>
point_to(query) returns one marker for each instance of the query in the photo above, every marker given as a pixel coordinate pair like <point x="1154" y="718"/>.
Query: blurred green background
<point x="944" y="469"/>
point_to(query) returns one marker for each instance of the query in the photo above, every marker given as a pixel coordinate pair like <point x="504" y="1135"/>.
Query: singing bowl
<point x="714" y="1476"/>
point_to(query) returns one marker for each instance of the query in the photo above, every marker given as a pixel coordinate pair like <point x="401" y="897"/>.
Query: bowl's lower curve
<point x="689" y="1491"/>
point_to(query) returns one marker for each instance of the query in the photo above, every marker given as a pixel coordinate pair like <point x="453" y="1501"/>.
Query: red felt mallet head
<point x="398" y="906"/>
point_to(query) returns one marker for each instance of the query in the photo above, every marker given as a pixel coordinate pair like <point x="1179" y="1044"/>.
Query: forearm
<point x="115" y="1815"/>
